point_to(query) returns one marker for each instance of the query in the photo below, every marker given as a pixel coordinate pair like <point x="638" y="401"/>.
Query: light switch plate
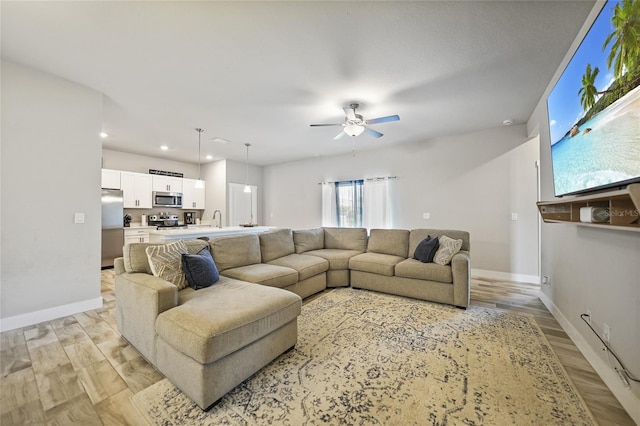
<point x="78" y="218"/>
<point x="426" y="215"/>
<point x="514" y="216"/>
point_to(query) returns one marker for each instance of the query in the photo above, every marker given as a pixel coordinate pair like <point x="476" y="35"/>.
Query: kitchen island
<point x="165" y="235"/>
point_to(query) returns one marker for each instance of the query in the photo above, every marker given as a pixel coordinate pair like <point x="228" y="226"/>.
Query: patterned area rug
<point x="365" y="358"/>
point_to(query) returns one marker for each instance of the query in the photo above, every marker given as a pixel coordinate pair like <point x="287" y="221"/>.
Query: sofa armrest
<point x="461" y="270"/>
<point x="140" y="298"/>
<point x="118" y="265"/>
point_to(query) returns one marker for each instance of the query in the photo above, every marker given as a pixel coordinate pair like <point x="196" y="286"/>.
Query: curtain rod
<point x="372" y="179"/>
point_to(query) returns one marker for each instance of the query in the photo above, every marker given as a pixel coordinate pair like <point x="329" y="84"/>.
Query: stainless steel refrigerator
<point x="112" y="226"/>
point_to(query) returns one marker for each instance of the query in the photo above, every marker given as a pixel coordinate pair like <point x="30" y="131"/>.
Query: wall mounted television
<point x="594" y="108"/>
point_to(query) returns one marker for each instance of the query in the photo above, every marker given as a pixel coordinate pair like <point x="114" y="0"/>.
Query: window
<point x="356" y="203"/>
<point x="349" y="203"/>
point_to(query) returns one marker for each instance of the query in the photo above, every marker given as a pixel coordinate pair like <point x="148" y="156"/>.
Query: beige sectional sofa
<point x="208" y="341"/>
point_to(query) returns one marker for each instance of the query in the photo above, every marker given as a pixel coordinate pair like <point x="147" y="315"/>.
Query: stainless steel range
<point x="164" y="220"/>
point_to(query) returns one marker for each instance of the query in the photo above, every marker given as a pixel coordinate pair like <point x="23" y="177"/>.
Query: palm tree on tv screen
<point x="625" y="49"/>
<point x="588" y="91"/>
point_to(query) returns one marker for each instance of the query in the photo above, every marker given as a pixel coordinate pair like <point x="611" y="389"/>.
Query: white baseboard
<point x="505" y="276"/>
<point x="627" y="398"/>
<point x="49" y="314"/>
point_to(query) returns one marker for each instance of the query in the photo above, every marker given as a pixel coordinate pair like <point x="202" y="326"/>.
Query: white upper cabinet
<point x="136" y="189"/>
<point x="167" y="183"/>
<point x="110" y="179"/>
<point x="192" y="197"/>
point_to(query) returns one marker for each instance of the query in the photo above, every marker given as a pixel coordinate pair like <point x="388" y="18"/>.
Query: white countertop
<point x="202" y="231"/>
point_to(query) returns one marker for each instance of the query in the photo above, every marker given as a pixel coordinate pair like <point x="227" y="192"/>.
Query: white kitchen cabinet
<point x="167" y="183"/>
<point x="136" y="189"/>
<point x="136" y="235"/>
<point x="110" y="179"/>
<point x="192" y="197"/>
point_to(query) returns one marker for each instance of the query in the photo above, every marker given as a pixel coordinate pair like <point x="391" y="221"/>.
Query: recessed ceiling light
<point x="316" y="155"/>
<point x="220" y="140"/>
<point x="103" y="135"/>
<point x="507" y="122"/>
<point x="209" y="157"/>
<point x="164" y="147"/>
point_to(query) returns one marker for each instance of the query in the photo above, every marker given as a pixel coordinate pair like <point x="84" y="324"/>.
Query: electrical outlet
<point x="606" y="333"/>
<point x="589" y="316"/>
<point x="426" y="215"/>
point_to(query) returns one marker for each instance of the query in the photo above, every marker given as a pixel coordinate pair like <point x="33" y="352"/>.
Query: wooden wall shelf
<point x="623" y="207"/>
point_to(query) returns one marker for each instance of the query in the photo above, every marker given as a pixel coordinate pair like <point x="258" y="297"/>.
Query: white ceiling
<point x="261" y="72"/>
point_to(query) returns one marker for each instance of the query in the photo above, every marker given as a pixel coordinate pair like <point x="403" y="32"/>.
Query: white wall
<point x="472" y="182"/>
<point x="595" y="269"/>
<point x="50" y="170"/>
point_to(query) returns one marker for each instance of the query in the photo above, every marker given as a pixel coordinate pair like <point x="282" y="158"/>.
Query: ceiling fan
<point x="354" y="124"/>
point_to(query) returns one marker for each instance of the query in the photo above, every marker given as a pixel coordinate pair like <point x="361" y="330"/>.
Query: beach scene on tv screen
<point x="594" y="109"/>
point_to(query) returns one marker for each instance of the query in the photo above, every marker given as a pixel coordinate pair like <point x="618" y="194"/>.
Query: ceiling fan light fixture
<point x="354" y="130"/>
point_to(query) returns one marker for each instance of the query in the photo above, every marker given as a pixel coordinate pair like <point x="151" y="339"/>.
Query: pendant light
<point x="247" y="188"/>
<point x="199" y="183"/>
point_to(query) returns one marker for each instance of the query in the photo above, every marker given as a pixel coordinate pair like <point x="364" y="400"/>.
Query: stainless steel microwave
<point x="167" y="199"/>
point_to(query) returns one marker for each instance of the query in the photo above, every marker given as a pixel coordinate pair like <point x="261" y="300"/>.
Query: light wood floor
<point x="79" y="371"/>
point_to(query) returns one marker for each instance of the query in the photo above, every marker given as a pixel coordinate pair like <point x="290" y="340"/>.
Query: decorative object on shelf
<point x="199" y="183"/>
<point x="164" y="173"/>
<point x="594" y="214"/>
<point x="355" y="124"/>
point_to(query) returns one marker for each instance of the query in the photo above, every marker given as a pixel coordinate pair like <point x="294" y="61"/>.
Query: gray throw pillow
<point x="426" y="250"/>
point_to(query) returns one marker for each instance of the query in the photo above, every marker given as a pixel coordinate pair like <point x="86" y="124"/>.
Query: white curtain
<point x="376" y="206"/>
<point x="329" y="211"/>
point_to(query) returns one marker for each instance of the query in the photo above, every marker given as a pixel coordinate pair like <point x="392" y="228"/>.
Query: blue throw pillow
<point x="200" y="269"/>
<point x="426" y="250"/>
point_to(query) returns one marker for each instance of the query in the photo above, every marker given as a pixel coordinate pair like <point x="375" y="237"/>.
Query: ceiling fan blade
<point x="318" y="125"/>
<point x="372" y="132"/>
<point x="350" y="113"/>
<point x="339" y="135"/>
<point x="383" y="119"/>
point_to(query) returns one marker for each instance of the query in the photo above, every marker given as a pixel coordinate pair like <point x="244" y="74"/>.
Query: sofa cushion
<point x="264" y="273"/>
<point x="377" y="263"/>
<point x="338" y="259"/>
<point x="308" y="239"/>
<point x="448" y="247"/>
<point x="307" y="266"/>
<point x="218" y="320"/>
<point x="426" y="250"/>
<point x="346" y="239"/>
<point x="389" y="241"/>
<point x="135" y="255"/>
<point x="418" y="235"/>
<point x="200" y="269"/>
<point x="412" y="268"/>
<point x="275" y="244"/>
<point x="166" y="262"/>
<point x="234" y="251"/>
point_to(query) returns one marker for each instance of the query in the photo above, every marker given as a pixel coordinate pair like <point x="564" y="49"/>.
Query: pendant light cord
<point x="199" y="130"/>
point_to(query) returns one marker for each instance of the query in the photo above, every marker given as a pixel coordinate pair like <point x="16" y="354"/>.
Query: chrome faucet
<point x="219" y="219"/>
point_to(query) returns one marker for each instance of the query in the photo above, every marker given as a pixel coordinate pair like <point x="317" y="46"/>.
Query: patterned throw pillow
<point x="448" y="247"/>
<point x="166" y="262"/>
